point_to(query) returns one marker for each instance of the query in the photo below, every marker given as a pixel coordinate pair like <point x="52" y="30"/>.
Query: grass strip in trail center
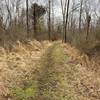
<point x="52" y="82"/>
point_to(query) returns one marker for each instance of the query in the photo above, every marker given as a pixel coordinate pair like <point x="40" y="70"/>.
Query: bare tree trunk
<point x="88" y="25"/>
<point x="80" y="17"/>
<point x="27" y="20"/>
<point x="52" y="15"/>
<point x="9" y="12"/>
<point x="49" y="20"/>
<point x="72" y="25"/>
<point x="63" y="7"/>
<point x="66" y="23"/>
<point x="35" y="20"/>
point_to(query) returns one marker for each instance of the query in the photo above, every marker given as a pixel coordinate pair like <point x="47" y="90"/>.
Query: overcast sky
<point x="94" y="6"/>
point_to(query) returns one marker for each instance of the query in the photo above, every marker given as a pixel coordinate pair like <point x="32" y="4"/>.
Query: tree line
<point x="78" y="19"/>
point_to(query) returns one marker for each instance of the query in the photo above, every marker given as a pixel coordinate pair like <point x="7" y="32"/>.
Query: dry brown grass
<point x="21" y="63"/>
<point x="89" y="72"/>
<point x="18" y="62"/>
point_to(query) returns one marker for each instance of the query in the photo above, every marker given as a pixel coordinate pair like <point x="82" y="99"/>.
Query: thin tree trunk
<point x="80" y="17"/>
<point x="63" y="7"/>
<point x="35" y="20"/>
<point x="88" y="25"/>
<point x="49" y="24"/>
<point x="27" y="20"/>
<point x="52" y="15"/>
<point x="66" y="23"/>
<point x="9" y="12"/>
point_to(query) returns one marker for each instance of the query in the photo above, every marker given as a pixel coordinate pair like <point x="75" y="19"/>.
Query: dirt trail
<point x="64" y="75"/>
<point x="57" y="72"/>
<point x="51" y="80"/>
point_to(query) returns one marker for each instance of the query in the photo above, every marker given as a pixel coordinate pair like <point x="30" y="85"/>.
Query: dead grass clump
<point x="88" y="79"/>
<point x="19" y="63"/>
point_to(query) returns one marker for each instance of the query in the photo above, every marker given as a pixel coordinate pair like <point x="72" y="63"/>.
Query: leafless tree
<point x="36" y="12"/>
<point x="80" y="16"/>
<point x="27" y="20"/>
<point x="52" y="15"/>
<point x="9" y="11"/>
<point x="65" y="13"/>
<point x="63" y="7"/>
<point x="88" y="18"/>
<point x="49" y="21"/>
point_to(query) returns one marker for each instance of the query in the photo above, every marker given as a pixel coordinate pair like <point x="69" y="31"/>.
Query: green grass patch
<point x="25" y="92"/>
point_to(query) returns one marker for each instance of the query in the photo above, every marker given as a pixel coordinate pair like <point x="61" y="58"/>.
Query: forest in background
<point x="73" y="21"/>
<point x="50" y="50"/>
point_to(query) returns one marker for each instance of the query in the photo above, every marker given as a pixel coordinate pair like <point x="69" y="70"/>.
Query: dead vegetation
<point x="46" y="55"/>
<point x="20" y="68"/>
<point x="89" y="73"/>
<point x="19" y="62"/>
